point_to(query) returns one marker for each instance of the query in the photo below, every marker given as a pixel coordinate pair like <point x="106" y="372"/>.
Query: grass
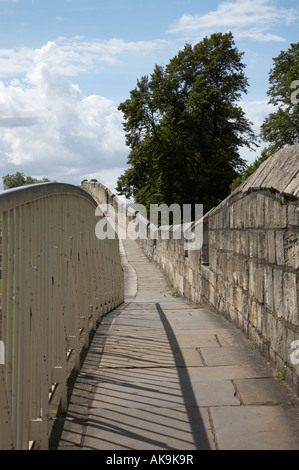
<point x="280" y="376"/>
<point x="174" y="291"/>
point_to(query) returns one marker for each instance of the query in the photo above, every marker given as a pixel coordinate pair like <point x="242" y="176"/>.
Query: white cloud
<point x="72" y="56"/>
<point x="256" y="112"/>
<point x="251" y="19"/>
<point x="48" y="128"/>
<point x="15" y="61"/>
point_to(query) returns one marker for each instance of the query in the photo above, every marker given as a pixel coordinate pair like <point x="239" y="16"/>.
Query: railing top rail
<point x="22" y="195"/>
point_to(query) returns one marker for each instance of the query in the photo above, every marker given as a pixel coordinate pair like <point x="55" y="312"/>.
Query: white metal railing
<point x="58" y="280"/>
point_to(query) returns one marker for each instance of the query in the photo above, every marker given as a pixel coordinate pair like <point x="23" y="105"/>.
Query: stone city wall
<point x="248" y="266"/>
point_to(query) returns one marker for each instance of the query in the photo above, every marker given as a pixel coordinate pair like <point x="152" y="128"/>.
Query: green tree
<point x="19" y="179"/>
<point x="280" y="128"/>
<point x="184" y="128"/>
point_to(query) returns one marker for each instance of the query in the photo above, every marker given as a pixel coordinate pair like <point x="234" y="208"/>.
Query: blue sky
<point x="65" y="65"/>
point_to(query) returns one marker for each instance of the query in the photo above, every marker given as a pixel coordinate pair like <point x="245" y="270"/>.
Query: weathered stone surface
<point x="280" y="172"/>
<point x="254" y="428"/>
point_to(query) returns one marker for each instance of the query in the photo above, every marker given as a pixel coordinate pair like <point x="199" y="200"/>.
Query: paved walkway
<point x="163" y="374"/>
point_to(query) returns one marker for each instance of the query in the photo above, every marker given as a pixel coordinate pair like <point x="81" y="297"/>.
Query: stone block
<point x="250" y="201"/>
<point x="194" y="259"/>
<point x="251" y="271"/>
<point x="205" y="288"/>
<point x="220" y="286"/>
<point x="271" y="247"/>
<point x="244" y="244"/>
<point x="278" y="291"/>
<point x="232" y="240"/>
<point x="262" y="245"/>
<point x="213" y="260"/>
<point x="230" y="211"/>
<point x="190" y="275"/>
<point x="275" y="213"/>
<point x="212" y="295"/>
<point x="253" y="313"/>
<point x="293" y="215"/>
<point x="268" y="287"/>
<point x="290" y="294"/>
<point x="222" y="261"/>
<point x="238" y="299"/>
<point x="212" y="238"/>
<point x="219" y="219"/>
<point x="239" y="213"/>
<point x="272" y="331"/>
<point x="280" y="345"/>
<point x="245" y="273"/>
<point x="212" y="222"/>
<point x="259" y="325"/>
<point x="212" y="278"/>
<point x="265" y="327"/>
<point x="229" y="292"/>
<point x="279" y="247"/>
<point x="253" y="244"/>
<point x="280" y="214"/>
<point x="256" y="281"/>
<point x="245" y="307"/>
<point x="260" y="210"/>
<point x="291" y="249"/>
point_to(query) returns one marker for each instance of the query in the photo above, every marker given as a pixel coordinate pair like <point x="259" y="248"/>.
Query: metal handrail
<point x="58" y="280"/>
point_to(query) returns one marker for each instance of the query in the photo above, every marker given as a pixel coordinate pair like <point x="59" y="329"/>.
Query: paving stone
<point x="143" y="429"/>
<point x="197" y="340"/>
<point x="165" y="394"/>
<point x="229" y="372"/>
<point x="256" y="427"/>
<point x="228" y="356"/>
<point x="264" y="391"/>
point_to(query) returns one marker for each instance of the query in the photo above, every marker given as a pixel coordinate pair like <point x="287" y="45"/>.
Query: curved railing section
<point x="57" y="281"/>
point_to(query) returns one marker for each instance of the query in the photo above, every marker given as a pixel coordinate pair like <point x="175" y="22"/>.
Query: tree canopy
<point x="185" y="129"/>
<point x="280" y="128"/>
<point x="19" y="179"/>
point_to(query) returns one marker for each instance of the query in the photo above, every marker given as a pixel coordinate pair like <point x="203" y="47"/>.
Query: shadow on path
<point x="197" y="426"/>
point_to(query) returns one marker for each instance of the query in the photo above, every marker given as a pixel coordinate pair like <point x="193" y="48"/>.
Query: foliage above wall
<point x="185" y="129"/>
<point x="19" y="179"/>
<point x="281" y="128"/>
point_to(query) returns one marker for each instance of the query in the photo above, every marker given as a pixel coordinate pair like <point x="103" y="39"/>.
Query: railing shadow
<point x="151" y="406"/>
<point x="195" y="419"/>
